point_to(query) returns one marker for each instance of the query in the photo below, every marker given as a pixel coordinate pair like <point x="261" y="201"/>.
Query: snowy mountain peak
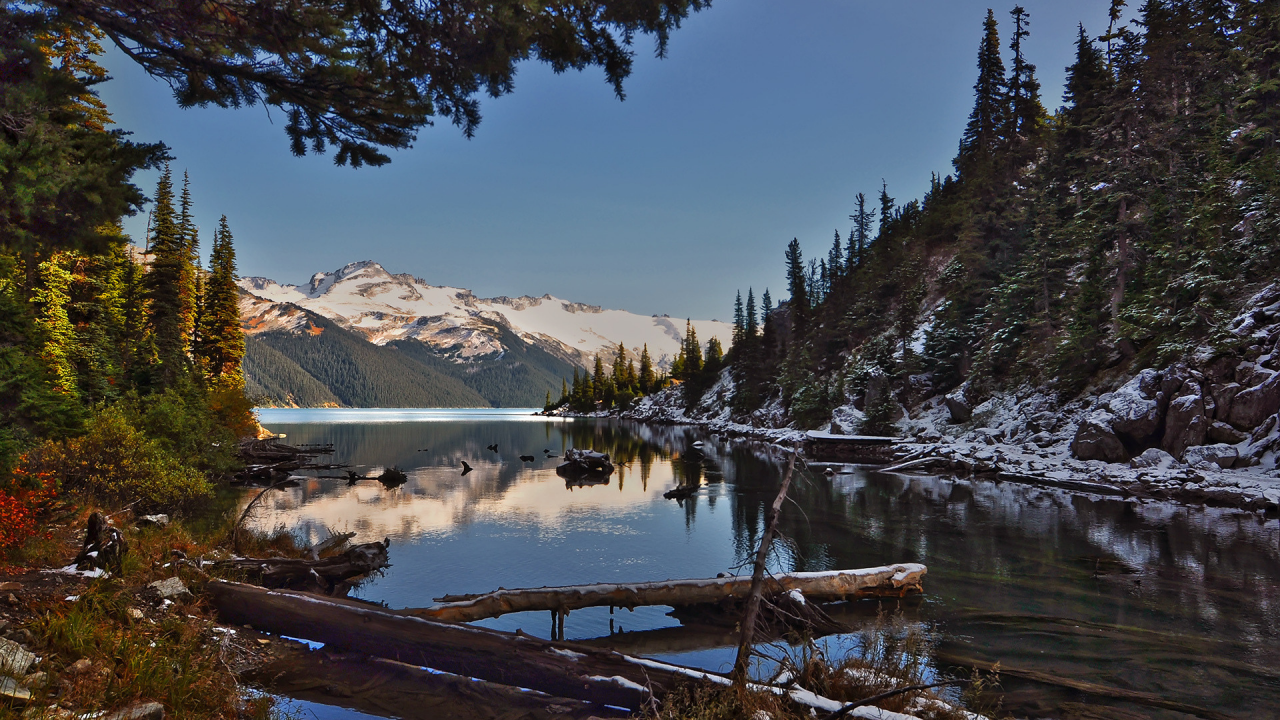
<point x="363" y="296"/>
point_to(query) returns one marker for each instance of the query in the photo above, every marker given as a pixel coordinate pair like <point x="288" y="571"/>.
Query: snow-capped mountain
<point x="384" y="307"/>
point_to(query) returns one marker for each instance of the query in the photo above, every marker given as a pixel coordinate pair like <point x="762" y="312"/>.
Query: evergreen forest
<point x="1123" y="230"/>
<point x="120" y="367"/>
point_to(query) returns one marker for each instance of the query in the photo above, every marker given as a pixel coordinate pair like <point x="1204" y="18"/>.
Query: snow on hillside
<point x="383" y="306"/>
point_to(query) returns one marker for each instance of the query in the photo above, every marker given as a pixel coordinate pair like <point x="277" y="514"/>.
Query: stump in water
<point x="585" y="464"/>
<point x="104" y="546"/>
<point x="334" y="576"/>
<point x="393" y="477"/>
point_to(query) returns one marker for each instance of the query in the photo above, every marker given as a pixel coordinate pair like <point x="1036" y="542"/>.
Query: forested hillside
<point x="357" y="372"/>
<point x="309" y="361"/>
<point x="1067" y="249"/>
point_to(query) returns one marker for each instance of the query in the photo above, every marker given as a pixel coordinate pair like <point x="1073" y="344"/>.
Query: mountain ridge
<point x="384" y="307"/>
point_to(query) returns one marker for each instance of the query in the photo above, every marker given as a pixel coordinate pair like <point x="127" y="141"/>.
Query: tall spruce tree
<point x="799" y="302"/>
<point x="1026" y="114"/>
<point x="648" y="380"/>
<point x="168" y="298"/>
<point x="859" y="234"/>
<point x="982" y="135"/>
<point x="221" y="346"/>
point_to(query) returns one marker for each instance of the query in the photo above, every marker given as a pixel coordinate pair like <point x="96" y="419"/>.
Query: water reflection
<point x="1081" y="599"/>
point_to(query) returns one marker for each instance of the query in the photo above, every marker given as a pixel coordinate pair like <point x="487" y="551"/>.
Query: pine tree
<point x="189" y="291"/>
<point x="859" y="234"/>
<point x="620" y="367"/>
<point x="715" y="356"/>
<point x="692" y="351"/>
<point x="799" y="302"/>
<point x="886" y="209"/>
<point x="982" y="134"/>
<point x="751" y="329"/>
<point x="835" y="264"/>
<point x="739" y="321"/>
<point x="1026" y="115"/>
<point x="221" y="346"/>
<point x="170" y="315"/>
<point x="598" y="381"/>
<point x="647" y="379"/>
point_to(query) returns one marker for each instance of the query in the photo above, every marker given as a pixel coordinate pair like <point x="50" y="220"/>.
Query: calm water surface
<point x="1080" y="599"/>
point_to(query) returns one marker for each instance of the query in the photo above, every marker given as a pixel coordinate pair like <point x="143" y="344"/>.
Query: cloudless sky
<point x="761" y="124"/>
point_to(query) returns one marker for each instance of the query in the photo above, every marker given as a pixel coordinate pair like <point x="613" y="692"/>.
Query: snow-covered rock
<point x="1203" y="456"/>
<point x="1095" y="440"/>
<point x="1136" y="407"/>
<point x="1154" y="458"/>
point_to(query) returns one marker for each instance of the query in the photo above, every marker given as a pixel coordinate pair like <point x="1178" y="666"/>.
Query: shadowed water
<point x="1080" y="599"/>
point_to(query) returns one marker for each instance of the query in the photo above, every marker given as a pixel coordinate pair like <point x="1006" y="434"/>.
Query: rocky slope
<point x="1205" y="430"/>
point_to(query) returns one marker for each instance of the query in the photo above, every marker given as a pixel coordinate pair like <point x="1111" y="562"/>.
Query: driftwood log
<point x="332" y="576"/>
<point x="891" y="581"/>
<point x="561" y="669"/>
<point x="568" y="670"/>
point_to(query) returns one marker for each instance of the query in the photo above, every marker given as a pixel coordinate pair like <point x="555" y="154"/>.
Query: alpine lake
<point x="1082" y="600"/>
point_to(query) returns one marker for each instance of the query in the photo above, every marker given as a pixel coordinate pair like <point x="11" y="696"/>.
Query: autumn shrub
<point x="116" y="462"/>
<point x="23" y="500"/>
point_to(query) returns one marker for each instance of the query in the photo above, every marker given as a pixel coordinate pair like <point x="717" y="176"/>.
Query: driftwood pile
<point x="270" y="459"/>
<point x="333" y="576"/>
<point x="585" y="464"/>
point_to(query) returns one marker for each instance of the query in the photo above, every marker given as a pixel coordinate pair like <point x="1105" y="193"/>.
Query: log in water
<point x="890" y="581"/>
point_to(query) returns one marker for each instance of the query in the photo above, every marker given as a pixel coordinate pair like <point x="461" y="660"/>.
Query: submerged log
<point x="332" y="575"/>
<point x="835" y="585"/>
<point x="386" y="688"/>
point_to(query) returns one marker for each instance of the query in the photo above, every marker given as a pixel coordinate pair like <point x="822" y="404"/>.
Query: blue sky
<point x="762" y="123"/>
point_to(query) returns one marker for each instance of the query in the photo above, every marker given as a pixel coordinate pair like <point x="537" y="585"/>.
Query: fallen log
<point x="891" y="581"/>
<point x="568" y="670"/>
<point x="332" y="576"/>
<point x="387" y="688"/>
<point x="560" y="669"/>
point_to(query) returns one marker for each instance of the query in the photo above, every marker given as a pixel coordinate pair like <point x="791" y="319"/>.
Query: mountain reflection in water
<point x="1080" y="599"/>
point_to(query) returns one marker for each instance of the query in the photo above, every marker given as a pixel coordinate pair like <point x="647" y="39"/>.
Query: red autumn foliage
<point x="21" y="505"/>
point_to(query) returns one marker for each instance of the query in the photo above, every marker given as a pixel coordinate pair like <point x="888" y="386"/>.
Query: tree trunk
<point x="741" y="664"/>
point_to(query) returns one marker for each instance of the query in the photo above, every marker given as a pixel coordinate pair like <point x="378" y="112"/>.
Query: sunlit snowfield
<point x="1183" y="603"/>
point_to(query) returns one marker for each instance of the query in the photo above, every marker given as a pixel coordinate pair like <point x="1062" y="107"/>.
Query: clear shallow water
<point x="1103" y="595"/>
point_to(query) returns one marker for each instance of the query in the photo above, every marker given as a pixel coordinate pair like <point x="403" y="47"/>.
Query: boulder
<point x="1095" y="440"/>
<point x="960" y="409"/>
<point x="1251" y="406"/>
<point x="1220" y="455"/>
<point x="1154" y="458"/>
<point x="1223" y="395"/>
<point x="1137" y="414"/>
<point x="159" y="521"/>
<point x="1185" y="424"/>
<point x="170" y="589"/>
<point x="1221" y="432"/>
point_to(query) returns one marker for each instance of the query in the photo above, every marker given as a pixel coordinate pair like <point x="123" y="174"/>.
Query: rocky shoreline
<point x="1205" y="431"/>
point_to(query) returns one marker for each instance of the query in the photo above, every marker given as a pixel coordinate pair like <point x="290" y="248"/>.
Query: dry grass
<point x="137" y="648"/>
<point x="890" y="654"/>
